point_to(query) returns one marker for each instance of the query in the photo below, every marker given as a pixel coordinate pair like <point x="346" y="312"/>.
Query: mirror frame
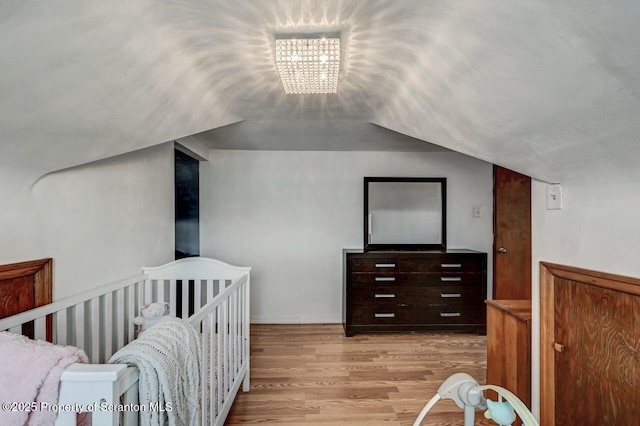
<point x="408" y="247"/>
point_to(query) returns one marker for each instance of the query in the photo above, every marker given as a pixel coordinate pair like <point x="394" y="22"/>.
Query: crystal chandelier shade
<point x="308" y="65"/>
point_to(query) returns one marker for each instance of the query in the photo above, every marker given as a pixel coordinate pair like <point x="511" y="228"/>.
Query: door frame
<point x="549" y="274"/>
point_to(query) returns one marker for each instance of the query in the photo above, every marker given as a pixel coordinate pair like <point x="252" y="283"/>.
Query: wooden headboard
<point x="24" y="286"/>
<point x="589" y="346"/>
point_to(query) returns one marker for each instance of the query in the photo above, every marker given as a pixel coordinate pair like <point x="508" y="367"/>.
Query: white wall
<point x="100" y="222"/>
<point x="597" y="229"/>
<point x="288" y="214"/>
<point x="17" y="218"/>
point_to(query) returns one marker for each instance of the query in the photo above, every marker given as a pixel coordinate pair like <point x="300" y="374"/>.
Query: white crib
<point x="211" y="295"/>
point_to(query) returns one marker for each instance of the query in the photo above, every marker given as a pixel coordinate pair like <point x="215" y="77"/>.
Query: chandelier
<point x="308" y="65"/>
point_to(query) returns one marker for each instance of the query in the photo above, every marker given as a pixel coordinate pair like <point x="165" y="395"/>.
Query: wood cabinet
<point x="509" y="347"/>
<point x="414" y="291"/>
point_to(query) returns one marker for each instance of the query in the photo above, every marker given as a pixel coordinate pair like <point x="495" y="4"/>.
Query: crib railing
<point x="224" y="325"/>
<point x="99" y="321"/>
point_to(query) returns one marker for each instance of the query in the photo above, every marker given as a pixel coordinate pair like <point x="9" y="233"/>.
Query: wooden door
<point x="597" y="355"/>
<point x="512" y="235"/>
<point x="24" y="286"/>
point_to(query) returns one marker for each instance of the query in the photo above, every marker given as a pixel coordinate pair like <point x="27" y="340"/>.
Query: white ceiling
<point x="547" y="88"/>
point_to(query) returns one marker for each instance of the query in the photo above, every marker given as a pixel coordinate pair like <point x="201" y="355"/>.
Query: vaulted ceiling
<point x="547" y="88"/>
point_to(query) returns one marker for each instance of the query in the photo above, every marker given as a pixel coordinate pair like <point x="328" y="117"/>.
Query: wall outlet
<point x="477" y="212"/>
<point x="554" y="196"/>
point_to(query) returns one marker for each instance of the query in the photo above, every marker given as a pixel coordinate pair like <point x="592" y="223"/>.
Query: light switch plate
<point x="554" y="196"/>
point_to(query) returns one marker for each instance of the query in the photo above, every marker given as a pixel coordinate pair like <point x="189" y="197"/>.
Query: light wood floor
<point x="313" y="375"/>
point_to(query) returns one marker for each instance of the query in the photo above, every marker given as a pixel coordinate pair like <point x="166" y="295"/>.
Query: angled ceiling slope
<point x="546" y="88"/>
<point x="312" y="135"/>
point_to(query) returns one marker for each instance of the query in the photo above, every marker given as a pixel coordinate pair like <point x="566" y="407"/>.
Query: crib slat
<point x="137" y="296"/>
<point x="131" y="304"/>
<point x="230" y="342"/>
<point x="239" y="329"/>
<point x="219" y="354"/>
<point x="240" y="332"/>
<point x="140" y="295"/>
<point x="61" y="327"/>
<point x="204" y="371"/>
<point x="172" y="298"/>
<point x="120" y="318"/>
<point x="225" y="310"/>
<point x="160" y="291"/>
<point x="94" y="329"/>
<point x="209" y="284"/>
<point x="148" y="286"/>
<point x="214" y="359"/>
<point x="241" y="326"/>
<point x="78" y="326"/>
<point x="232" y="335"/>
<point x="197" y="290"/>
<point x="240" y="322"/>
<point x="246" y="332"/>
<point x="246" y="323"/>
<point x="107" y="326"/>
<point x="213" y="411"/>
<point x="185" y="298"/>
<point x="236" y="348"/>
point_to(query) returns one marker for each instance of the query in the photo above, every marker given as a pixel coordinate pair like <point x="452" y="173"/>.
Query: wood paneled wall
<point x="590" y="347"/>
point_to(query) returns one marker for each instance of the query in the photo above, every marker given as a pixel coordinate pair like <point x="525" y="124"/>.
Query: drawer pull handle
<point x="385" y="295"/>
<point x="450" y="295"/>
<point x="385" y="265"/>
<point x="390" y="315"/>
<point x="385" y="278"/>
<point x="450" y="278"/>
<point x="449" y="314"/>
<point x="451" y="265"/>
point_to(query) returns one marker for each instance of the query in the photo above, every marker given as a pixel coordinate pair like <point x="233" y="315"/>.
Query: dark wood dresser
<point x="414" y="291"/>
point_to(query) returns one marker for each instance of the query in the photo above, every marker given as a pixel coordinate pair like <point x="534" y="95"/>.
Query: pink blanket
<point x="30" y="372"/>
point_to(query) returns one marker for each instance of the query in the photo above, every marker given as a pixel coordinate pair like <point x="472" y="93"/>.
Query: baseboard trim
<point x="293" y="319"/>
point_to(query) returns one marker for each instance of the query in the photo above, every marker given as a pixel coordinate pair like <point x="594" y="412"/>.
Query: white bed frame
<point x="101" y="322"/>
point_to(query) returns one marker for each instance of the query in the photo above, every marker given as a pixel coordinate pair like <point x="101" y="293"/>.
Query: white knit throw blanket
<point x="168" y="358"/>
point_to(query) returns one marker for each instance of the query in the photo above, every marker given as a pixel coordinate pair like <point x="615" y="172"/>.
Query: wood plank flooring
<point x="313" y="375"/>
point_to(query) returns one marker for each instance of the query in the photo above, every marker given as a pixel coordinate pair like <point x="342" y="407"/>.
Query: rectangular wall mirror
<point x="405" y="213"/>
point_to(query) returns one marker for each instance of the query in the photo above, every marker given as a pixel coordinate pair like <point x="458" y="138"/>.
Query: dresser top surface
<point x="406" y="252"/>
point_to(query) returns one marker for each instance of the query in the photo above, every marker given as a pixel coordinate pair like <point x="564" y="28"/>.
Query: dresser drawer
<point x="450" y="295"/>
<point x="371" y="315"/>
<point x="386" y="279"/>
<point x="459" y="314"/>
<point x="384" y="295"/>
<point x="383" y="265"/>
<point x="401" y="279"/>
<point x="452" y="263"/>
<point x="453" y="278"/>
<point x="440" y="264"/>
